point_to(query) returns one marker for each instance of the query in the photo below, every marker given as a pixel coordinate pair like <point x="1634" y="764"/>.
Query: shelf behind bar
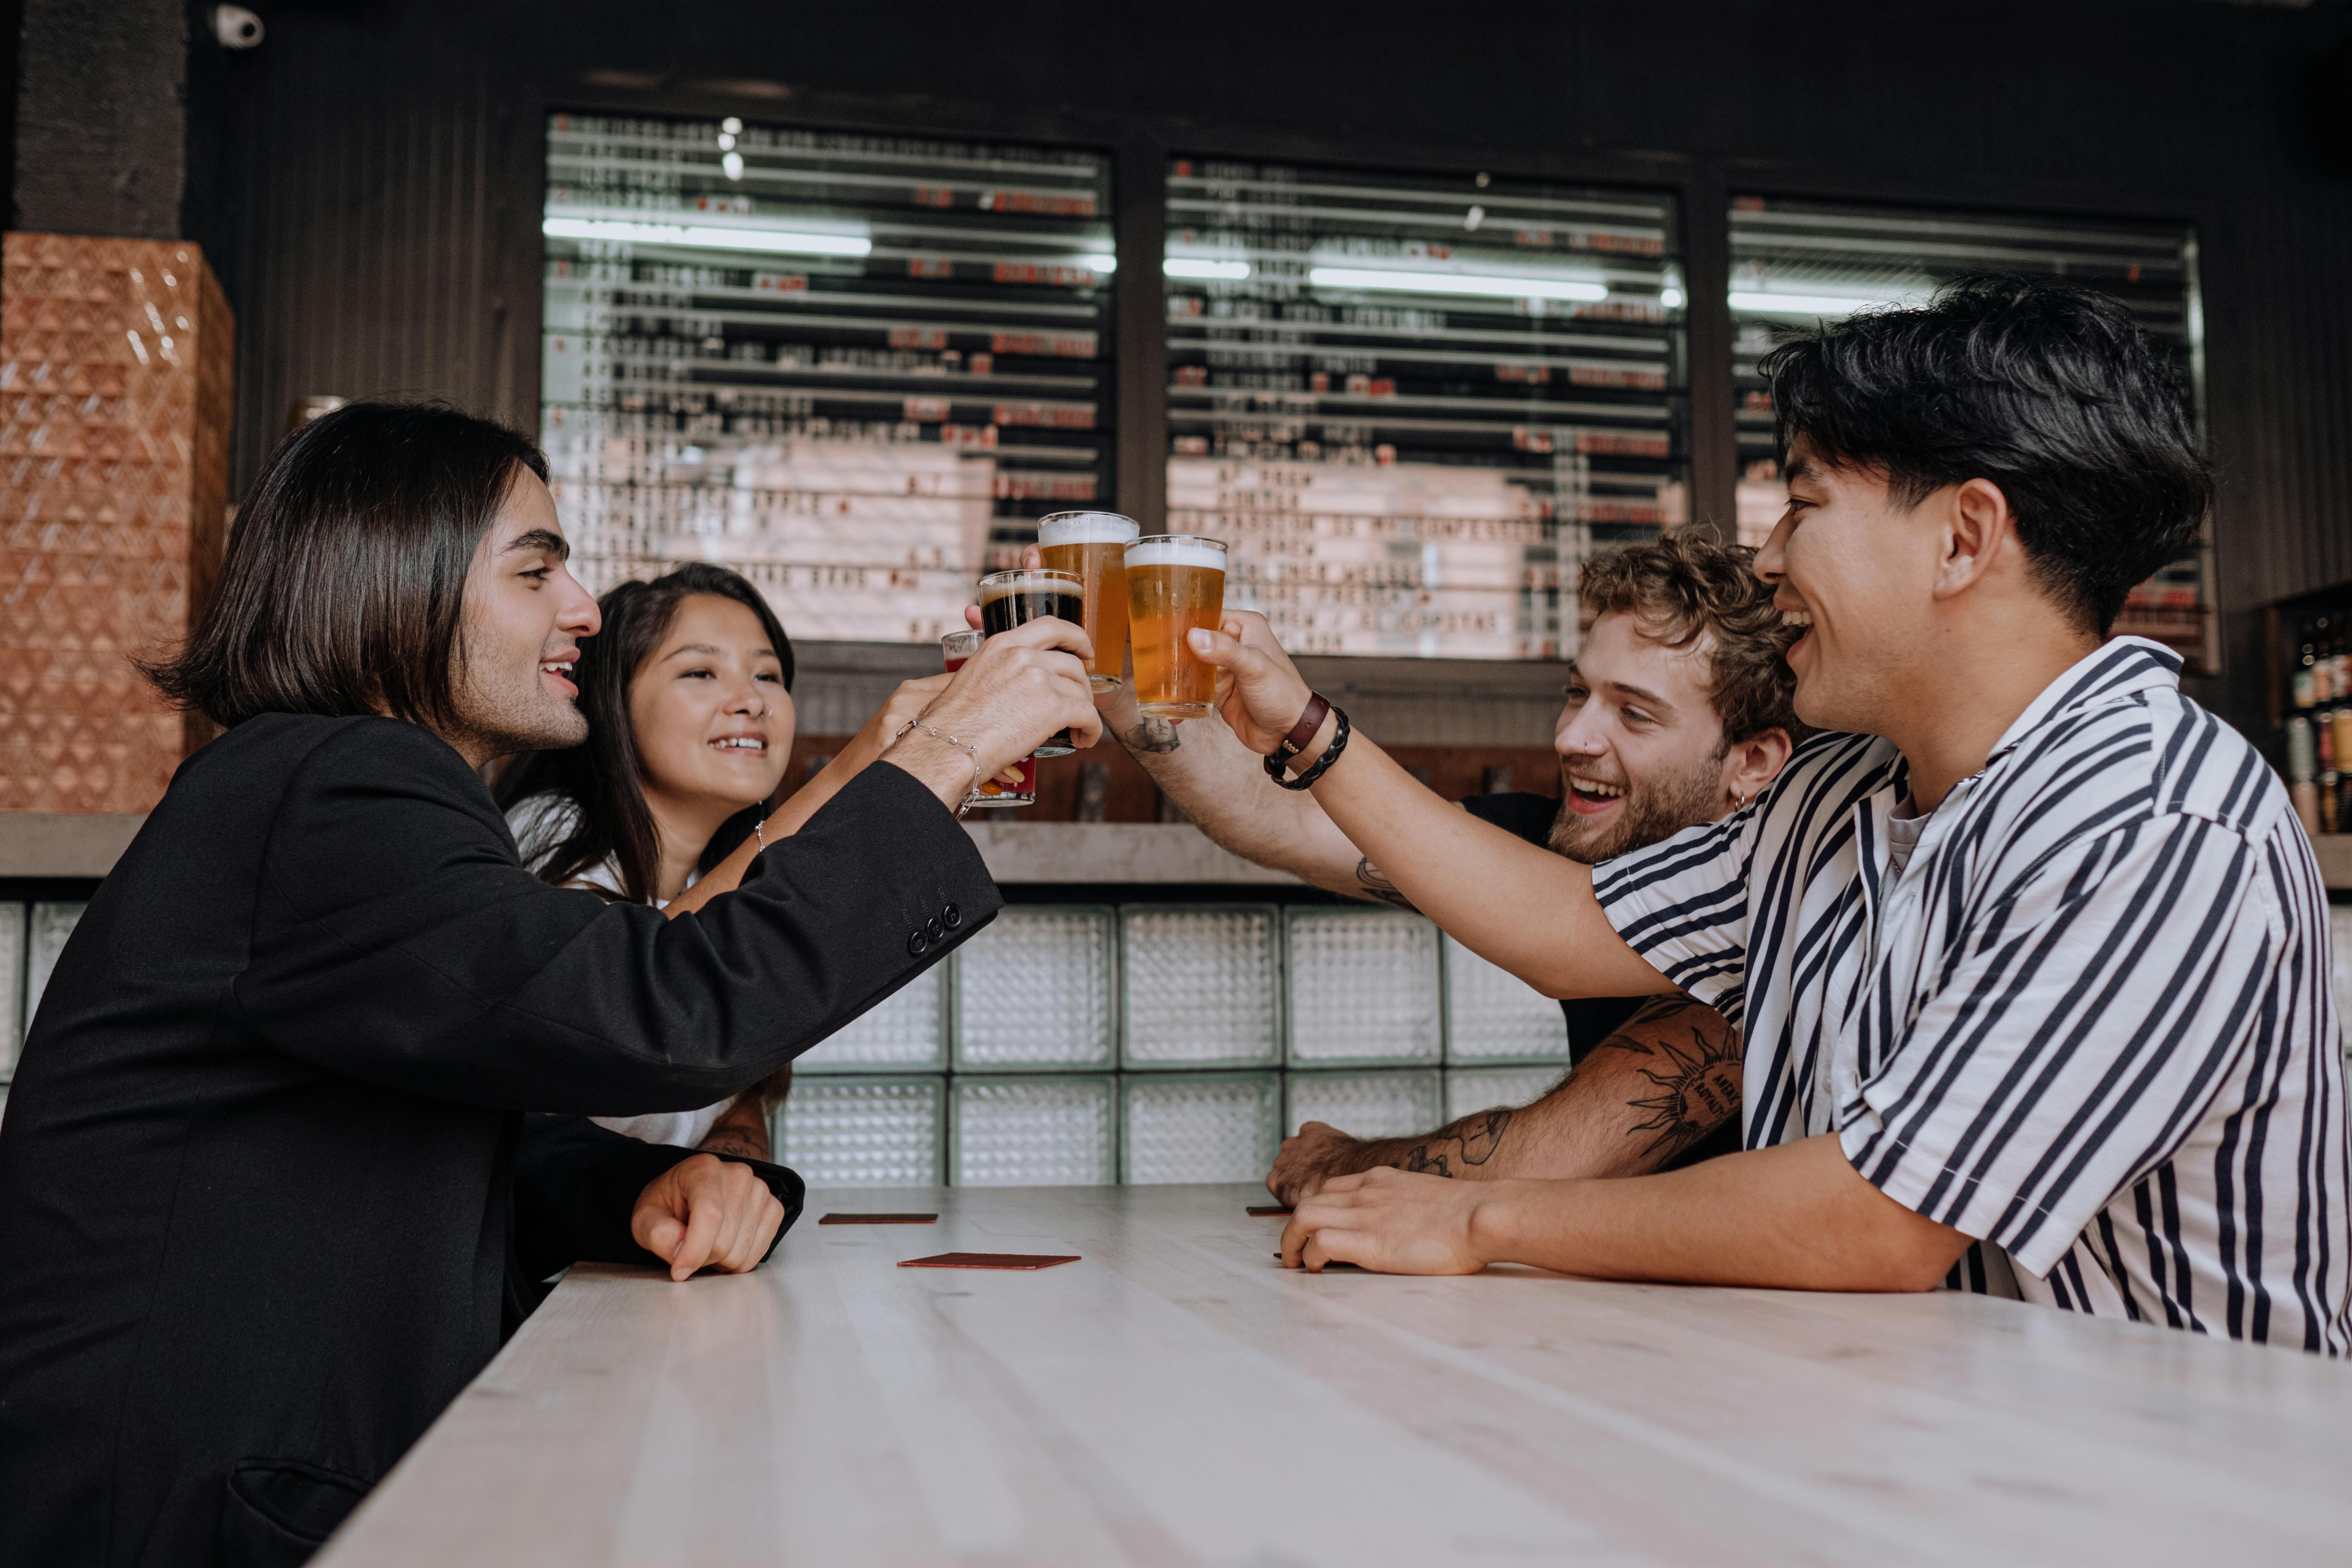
<point x="52" y="844"/>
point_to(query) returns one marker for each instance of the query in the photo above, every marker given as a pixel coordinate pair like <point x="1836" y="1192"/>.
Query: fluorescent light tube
<point x="1455" y="283"/>
<point x="1812" y="304"/>
<point x="707" y="237"/>
<point x="1194" y="267"/>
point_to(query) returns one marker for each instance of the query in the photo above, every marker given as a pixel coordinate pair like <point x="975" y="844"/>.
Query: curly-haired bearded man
<point x="1678" y="711"/>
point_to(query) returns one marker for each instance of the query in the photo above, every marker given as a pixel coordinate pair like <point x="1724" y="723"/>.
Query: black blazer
<point x="265" y="1175"/>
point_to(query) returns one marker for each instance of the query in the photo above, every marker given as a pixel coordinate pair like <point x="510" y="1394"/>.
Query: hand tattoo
<point x="1376" y="885"/>
<point x="1157" y="735"/>
<point x="735" y="1143"/>
<point x="1698" y="1087"/>
<point x="1475" y="1138"/>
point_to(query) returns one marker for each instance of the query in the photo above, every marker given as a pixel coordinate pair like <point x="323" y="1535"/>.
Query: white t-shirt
<point x="538" y="824"/>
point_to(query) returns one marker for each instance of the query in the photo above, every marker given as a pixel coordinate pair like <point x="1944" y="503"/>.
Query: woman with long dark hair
<point x="688" y="694"/>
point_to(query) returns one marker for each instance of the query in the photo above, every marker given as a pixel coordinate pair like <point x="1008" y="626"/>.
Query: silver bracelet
<point x="938" y="735"/>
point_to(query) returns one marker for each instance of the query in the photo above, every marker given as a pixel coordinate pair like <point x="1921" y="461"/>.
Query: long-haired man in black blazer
<point x="268" y="1194"/>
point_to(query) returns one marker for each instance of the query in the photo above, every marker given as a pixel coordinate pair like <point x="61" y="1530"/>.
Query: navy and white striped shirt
<point x="2088" y="1022"/>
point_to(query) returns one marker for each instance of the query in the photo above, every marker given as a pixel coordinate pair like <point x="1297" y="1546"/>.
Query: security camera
<point x="235" y="27"/>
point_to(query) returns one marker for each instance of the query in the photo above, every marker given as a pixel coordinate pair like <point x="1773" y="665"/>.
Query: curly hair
<point x="1686" y="587"/>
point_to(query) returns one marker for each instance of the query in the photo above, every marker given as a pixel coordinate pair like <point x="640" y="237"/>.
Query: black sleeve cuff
<point x="577" y="1184"/>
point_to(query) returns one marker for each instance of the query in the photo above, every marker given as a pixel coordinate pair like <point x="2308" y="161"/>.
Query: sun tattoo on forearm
<point x="1697" y="1086"/>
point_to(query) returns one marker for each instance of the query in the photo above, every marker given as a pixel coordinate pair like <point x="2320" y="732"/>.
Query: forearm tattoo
<point x="1376" y="885"/>
<point x="1156" y="735"/>
<point x="1697" y="1087"/>
<point x="728" y="1141"/>
<point x="1469" y="1141"/>
<point x="742" y="1131"/>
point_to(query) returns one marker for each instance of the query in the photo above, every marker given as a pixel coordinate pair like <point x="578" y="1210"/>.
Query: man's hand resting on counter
<point x="707" y="1213"/>
<point x="1794" y="1216"/>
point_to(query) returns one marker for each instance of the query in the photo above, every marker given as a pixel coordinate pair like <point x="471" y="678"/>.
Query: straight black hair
<point x="344" y="587"/>
<point x="601" y="780"/>
<point x="2047" y="389"/>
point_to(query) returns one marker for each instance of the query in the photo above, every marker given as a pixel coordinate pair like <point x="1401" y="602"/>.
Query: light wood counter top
<point x="1177" y="1398"/>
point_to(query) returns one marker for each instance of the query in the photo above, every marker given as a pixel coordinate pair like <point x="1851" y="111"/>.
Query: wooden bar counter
<point x="1177" y="1398"/>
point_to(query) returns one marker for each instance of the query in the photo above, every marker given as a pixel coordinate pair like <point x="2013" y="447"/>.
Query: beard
<point x="1653" y="814"/>
<point x="502" y="719"/>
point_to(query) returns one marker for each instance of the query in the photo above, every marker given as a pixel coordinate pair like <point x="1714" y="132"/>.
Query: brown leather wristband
<point x="1302" y="734"/>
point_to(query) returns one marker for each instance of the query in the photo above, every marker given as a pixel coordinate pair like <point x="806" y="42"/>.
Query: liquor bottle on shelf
<point x="2323" y="667"/>
<point x="2304" y="677"/>
<point x="2301" y="764"/>
<point x="2329" y="786"/>
<point x="2339" y="665"/>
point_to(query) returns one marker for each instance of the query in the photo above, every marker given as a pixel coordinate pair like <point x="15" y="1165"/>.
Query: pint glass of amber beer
<point x="992" y="790"/>
<point x="1174" y="582"/>
<point x="1092" y="547"/>
<point x="1007" y="599"/>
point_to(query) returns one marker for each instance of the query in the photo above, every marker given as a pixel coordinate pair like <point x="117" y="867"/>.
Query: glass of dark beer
<point x="958" y="647"/>
<point x="1007" y="599"/>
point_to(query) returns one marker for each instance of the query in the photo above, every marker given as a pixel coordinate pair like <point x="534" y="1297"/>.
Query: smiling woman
<point x="687" y="692"/>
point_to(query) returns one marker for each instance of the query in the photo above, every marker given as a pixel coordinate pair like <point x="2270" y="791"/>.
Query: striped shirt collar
<point x="2114" y="672"/>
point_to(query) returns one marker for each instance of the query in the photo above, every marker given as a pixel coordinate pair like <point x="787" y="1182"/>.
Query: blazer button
<point x="935" y="928"/>
<point x="952" y="916"/>
<point x="918" y="945"/>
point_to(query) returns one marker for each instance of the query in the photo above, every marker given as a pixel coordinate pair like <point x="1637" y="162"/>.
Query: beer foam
<point x="1031" y="582"/>
<point x="1087" y="528"/>
<point x="1175" y="552"/>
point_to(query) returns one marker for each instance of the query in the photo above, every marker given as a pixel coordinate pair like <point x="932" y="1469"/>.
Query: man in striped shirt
<point x="2030" y="960"/>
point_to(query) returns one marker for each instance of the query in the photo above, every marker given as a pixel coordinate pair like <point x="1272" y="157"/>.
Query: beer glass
<point x="1092" y="547"/>
<point x="1007" y="599"/>
<point x="992" y="790"/>
<point x="1174" y="582"/>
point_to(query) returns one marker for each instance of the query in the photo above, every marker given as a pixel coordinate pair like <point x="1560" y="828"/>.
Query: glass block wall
<point x="1187" y="1066"/>
<point x="1076" y="1045"/>
<point x="1082" y="1045"/>
<point x="31" y="937"/>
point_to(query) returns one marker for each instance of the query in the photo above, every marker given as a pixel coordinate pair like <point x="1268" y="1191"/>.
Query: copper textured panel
<point x="115" y="401"/>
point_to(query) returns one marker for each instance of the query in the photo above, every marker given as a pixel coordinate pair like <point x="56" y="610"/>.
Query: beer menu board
<point x="1794" y="263"/>
<point x="1412" y="403"/>
<point x="853" y="368"/>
